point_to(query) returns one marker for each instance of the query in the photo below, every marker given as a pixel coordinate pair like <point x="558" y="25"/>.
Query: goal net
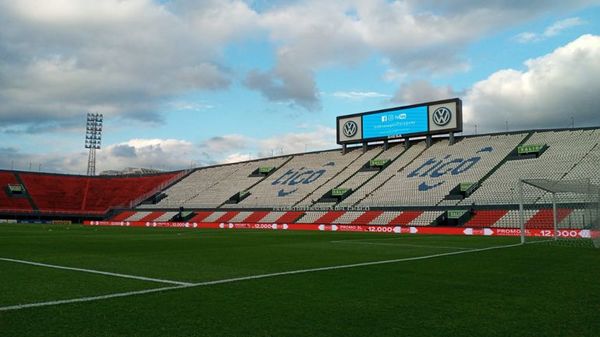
<point x="564" y="211"/>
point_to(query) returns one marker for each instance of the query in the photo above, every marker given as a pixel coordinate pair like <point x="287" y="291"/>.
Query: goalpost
<point x="559" y="210"/>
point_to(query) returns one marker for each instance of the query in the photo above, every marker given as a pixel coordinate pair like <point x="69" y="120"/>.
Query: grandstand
<point x="64" y="196"/>
<point x="469" y="181"/>
<point x="409" y="192"/>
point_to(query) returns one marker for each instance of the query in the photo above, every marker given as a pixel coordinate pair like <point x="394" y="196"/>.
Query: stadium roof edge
<point x="96" y="176"/>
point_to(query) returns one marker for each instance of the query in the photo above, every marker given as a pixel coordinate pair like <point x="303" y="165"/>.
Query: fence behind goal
<point x="564" y="211"/>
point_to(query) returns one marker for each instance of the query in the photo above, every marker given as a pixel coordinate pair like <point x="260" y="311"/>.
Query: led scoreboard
<point x="401" y="122"/>
<point x="395" y="122"/>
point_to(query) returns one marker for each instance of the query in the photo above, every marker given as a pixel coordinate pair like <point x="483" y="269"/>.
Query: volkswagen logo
<point x="442" y="116"/>
<point x="350" y="129"/>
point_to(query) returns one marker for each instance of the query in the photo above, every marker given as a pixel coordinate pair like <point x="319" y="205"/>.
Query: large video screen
<point x="395" y="122"/>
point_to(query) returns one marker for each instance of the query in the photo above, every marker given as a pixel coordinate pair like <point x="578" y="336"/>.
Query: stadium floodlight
<point x="93" y="139"/>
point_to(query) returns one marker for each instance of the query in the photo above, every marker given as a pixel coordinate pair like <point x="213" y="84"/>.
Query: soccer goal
<point x="564" y="211"/>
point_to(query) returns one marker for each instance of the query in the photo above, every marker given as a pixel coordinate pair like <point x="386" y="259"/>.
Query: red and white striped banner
<point x="427" y="230"/>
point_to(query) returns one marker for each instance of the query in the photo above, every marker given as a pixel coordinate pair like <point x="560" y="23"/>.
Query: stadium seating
<point x="7" y="202"/>
<point x="544" y="218"/>
<point x="348" y="177"/>
<point x="406" y="218"/>
<point x="212" y="186"/>
<point x="122" y="191"/>
<point x="495" y="218"/>
<point x="440" y="168"/>
<point x="486" y="218"/>
<point x="400" y="157"/>
<point x="415" y="186"/>
<point x="56" y="192"/>
<point x="570" y="155"/>
<point x="200" y="216"/>
<point x="255" y="217"/>
<point x="122" y="216"/>
<point x="300" y="177"/>
<point x="90" y="195"/>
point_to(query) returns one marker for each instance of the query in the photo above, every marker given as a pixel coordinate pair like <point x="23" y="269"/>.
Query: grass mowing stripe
<point x="252" y="277"/>
<point x="92" y="271"/>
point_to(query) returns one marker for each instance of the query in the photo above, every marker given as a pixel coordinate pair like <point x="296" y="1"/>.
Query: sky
<point x="192" y="83"/>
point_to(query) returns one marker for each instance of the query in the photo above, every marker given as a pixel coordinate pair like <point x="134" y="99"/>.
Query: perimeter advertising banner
<point x="400" y="122"/>
<point x="391" y="229"/>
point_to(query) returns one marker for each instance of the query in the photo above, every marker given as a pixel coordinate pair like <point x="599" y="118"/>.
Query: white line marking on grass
<point x="246" y="278"/>
<point x="92" y="271"/>
<point x="90" y="299"/>
<point x="397" y="244"/>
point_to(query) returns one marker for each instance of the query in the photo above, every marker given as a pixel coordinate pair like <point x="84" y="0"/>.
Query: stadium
<point x="313" y="229"/>
<point x="299" y="168"/>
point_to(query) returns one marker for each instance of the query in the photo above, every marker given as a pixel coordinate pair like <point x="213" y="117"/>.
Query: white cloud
<point x="393" y="75"/>
<point x="527" y="37"/>
<point x="190" y="106"/>
<point x="358" y="95"/>
<point x="312" y="35"/>
<point x="225" y="143"/>
<point x="165" y="154"/>
<point x="296" y="142"/>
<point x="156" y="153"/>
<point x="555" y="87"/>
<point x="122" y="58"/>
<point x="172" y="154"/>
<point x="422" y="91"/>
<point x="561" y="25"/>
<point x="237" y="157"/>
<point x="550" y="31"/>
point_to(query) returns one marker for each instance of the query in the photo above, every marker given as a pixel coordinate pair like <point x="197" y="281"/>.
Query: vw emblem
<point x="442" y="116"/>
<point x="350" y="129"/>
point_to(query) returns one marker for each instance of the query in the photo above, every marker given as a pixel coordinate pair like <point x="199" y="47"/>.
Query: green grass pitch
<point x="529" y="290"/>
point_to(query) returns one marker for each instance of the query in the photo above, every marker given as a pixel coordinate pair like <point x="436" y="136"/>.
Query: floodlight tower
<point x="93" y="138"/>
